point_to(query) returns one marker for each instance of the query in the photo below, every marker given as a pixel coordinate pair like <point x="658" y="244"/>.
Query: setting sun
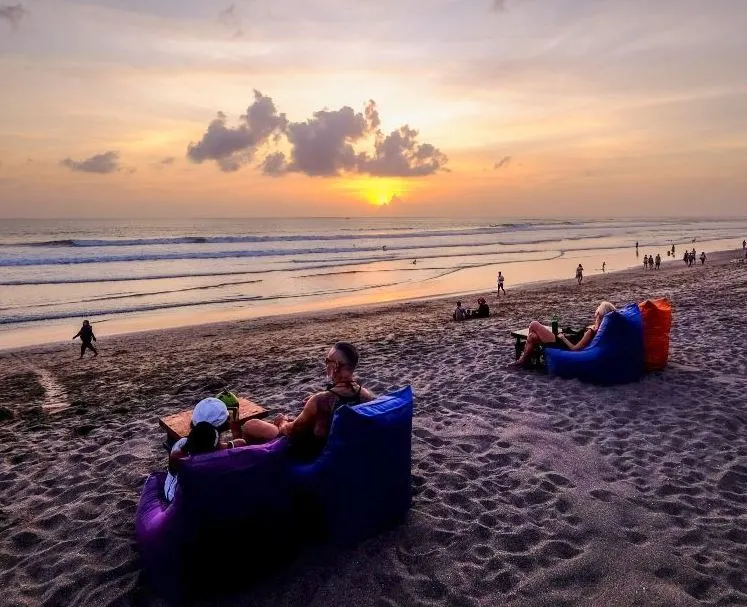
<point x="377" y="191"/>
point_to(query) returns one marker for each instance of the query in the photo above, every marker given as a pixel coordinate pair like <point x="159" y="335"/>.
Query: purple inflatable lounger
<point x="234" y="510"/>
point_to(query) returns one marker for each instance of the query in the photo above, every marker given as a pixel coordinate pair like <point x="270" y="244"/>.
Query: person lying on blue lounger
<point x="540" y="334"/>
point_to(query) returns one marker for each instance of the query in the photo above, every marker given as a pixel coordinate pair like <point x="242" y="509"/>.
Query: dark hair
<point x="202" y="439"/>
<point x="459" y="303"/>
<point x="349" y="351"/>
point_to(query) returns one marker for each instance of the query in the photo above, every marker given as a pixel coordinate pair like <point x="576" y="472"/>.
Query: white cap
<point x="212" y="410"/>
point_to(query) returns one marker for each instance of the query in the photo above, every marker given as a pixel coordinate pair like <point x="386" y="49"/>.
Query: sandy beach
<point x="528" y="489"/>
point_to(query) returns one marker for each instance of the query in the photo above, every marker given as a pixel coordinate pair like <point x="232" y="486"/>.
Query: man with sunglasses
<point x="308" y="432"/>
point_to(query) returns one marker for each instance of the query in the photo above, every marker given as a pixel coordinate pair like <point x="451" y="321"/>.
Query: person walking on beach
<point x="744" y="245"/>
<point x="500" y="285"/>
<point x="672" y="249"/>
<point x="702" y="258"/>
<point x="86" y="335"/>
<point x="580" y="273"/>
<point x="645" y="262"/>
<point x="604" y="264"/>
<point x="658" y="261"/>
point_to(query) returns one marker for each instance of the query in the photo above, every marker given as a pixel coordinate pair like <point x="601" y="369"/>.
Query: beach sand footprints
<point x="29" y="390"/>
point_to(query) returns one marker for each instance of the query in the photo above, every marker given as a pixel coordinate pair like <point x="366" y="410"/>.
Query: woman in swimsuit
<point x="540" y="334"/>
<point x="308" y="432"/>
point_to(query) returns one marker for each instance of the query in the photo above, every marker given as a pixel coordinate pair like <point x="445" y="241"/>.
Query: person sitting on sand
<point x="459" y="313"/>
<point x="483" y="310"/>
<point x="308" y="432"/>
<point x="86" y="335"/>
<point x="540" y="334"/>
<point x="204" y="437"/>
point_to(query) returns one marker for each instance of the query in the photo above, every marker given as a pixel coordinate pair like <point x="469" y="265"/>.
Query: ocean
<point x="127" y="275"/>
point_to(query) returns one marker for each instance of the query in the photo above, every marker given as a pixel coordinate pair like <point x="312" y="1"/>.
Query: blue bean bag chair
<point x="222" y="523"/>
<point x="615" y="355"/>
<point x="360" y="484"/>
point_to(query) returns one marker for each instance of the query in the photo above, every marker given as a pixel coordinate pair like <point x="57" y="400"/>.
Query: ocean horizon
<point x="127" y="275"/>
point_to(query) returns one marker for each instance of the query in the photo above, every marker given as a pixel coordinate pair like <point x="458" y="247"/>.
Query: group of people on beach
<point x="306" y="433"/>
<point x="482" y="310"/>
<point x="651" y="263"/>
<point x="689" y="258"/>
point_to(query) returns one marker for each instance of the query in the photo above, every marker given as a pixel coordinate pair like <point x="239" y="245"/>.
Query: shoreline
<point x="528" y="490"/>
<point x="376" y="307"/>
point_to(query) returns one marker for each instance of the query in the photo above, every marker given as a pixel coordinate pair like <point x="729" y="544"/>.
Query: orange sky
<point x="526" y="107"/>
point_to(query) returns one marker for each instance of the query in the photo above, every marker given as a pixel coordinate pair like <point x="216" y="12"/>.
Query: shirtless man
<point x="309" y="430"/>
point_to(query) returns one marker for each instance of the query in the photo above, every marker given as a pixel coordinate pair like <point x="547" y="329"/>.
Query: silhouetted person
<point x="604" y="265"/>
<point x="500" y="280"/>
<point x="702" y="258"/>
<point x="658" y="261"/>
<point x="672" y="250"/>
<point x="86" y="335"/>
<point x="645" y="262"/>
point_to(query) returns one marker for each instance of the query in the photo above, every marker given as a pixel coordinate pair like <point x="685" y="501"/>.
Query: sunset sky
<point x="181" y="108"/>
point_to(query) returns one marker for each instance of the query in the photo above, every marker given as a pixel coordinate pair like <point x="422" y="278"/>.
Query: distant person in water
<point x="500" y="280"/>
<point x="414" y="261"/>
<point x="580" y="273"/>
<point x="86" y="335"/>
<point x="308" y="432"/>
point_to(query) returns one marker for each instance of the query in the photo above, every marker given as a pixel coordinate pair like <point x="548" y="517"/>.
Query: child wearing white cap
<point x="204" y="437"/>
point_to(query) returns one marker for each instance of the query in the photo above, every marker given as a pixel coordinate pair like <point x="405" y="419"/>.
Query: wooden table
<point x="178" y="425"/>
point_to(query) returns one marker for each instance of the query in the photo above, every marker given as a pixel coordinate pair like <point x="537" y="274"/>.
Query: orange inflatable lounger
<point x="657" y="321"/>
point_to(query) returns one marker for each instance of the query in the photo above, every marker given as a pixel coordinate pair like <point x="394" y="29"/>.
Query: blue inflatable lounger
<point x="361" y="481"/>
<point x="615" y="355"/>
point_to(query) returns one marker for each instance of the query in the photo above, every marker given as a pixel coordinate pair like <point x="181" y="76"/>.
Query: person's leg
<point x="82" y="349"/>
<point x="95" y="351"/>
<point x="544" y="333"/>
<point x="256" y="431"/>
<point x="533" y="340"/>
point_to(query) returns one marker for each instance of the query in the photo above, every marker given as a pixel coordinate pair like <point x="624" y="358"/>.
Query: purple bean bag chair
<point x="360" y="484"/>
<point x="224" y="505"/>
<point x="614" y="356"/>
<point x="259" y="501"/>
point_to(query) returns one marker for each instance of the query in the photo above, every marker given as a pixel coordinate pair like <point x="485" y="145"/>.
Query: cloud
<point x="13" y="14"/>
<point x="400" y="155"/>
<point x="108" y="162"/>
<point x="503" y="162"/>
<point x="321" y="146"/>
<point x="232" y="20"/>
<point x="168" y="160"/>
<point x="498" y="6"/>
<point x="231" y="148"/>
